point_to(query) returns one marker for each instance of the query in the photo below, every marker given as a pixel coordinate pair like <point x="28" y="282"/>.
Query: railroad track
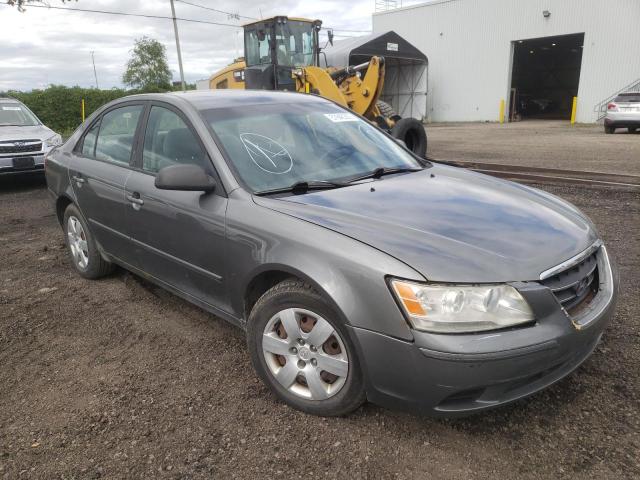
<point x="544" y="175"/>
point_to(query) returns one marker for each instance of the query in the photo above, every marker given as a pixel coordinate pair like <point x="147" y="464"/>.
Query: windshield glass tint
<point x="276" y="145"/>
<point x="16" y="114"/>
<point x="294" y="45"/>
<point x="628" y="98"/>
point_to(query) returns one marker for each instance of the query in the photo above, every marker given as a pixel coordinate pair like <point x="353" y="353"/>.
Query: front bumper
<point x="7" y="164"/>
<point x="450" y="375"/>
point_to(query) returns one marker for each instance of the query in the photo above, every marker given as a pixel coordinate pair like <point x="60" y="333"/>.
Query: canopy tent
<point x="406" y="74"/>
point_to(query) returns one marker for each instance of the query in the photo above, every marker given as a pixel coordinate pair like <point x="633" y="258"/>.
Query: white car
<point x="623" y="112"/>
<point x="24" y="140"/>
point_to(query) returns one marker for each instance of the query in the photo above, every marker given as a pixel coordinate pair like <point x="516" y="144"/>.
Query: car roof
<point x="226" y="98"/>
<point x="9" y="100"/>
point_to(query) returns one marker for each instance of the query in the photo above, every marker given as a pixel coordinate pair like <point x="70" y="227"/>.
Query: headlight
<point x="461" y="308"/>
<point x="53" y="141"/>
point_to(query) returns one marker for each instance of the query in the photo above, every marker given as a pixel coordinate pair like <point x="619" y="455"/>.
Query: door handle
<point x="135" y="199"/>
<point x="78" y="179"/>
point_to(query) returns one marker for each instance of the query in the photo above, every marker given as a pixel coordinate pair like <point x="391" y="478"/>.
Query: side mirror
<point x="190" y="178"/>
<point x="330" y="35"/>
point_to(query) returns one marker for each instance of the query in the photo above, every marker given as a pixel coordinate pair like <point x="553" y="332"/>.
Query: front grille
<point x="576" y="286"/>
<point x="23" y="146"/>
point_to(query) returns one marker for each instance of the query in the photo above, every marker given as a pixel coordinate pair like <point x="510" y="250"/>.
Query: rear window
<point x="629" y="98"/>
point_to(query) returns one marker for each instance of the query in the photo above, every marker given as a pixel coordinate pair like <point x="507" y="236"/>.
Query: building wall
<point x="468" y="44"/>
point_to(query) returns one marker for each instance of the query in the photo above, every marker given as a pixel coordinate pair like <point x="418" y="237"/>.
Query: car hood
<point x="451" y="224"/>
<point x="10" y="132"/>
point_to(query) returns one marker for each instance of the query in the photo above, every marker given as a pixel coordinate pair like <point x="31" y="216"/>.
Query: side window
<point x="89" y="142"/>
<point x="115" y="137"/>
<point x="168" y="141"/>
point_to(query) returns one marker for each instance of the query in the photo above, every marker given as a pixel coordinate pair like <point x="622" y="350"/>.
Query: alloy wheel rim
<point x="305" y="354"/>
<point x="78" y="242"/>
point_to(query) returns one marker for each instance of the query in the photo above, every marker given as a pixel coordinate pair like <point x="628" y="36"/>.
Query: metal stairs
<point x="601" y="107"/>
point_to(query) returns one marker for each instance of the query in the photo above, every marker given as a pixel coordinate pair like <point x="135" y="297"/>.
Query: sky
<point x="43" y="46"/>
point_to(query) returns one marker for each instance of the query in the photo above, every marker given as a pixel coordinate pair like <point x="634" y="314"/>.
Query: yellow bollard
<point x="573" y="110"/>
<point x="83" y="109"/>
<point x="501" y="119"/>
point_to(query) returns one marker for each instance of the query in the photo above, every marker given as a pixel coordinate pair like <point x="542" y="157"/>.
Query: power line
<point x="216" y="10"/>
<point x="124" y="14"/>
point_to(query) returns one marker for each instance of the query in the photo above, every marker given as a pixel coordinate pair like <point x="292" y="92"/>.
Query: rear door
<point x="179" y="237"/>
<point x="99" y="168"/>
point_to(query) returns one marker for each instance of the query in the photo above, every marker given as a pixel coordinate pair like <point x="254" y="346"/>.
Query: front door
<point x="178" y="236"/>
<point x="99" y="168"/>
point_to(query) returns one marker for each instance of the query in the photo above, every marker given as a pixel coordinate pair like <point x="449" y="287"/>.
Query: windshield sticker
<point x="267" y="154"/>
<point x="341" y="117"/>
<point x="12" y="108"/>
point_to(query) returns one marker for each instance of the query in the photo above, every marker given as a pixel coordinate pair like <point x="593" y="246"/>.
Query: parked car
<point x="358" y="270"/>
<point x="24" y="140"/>
<point x="623" y="112"/>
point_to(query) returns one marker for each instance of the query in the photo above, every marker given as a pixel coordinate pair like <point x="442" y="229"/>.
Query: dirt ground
<point x="539" y="143"/>
<point x="119" y="379"/>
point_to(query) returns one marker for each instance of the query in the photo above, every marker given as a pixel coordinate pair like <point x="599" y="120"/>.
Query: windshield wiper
<point x="381" y="171"/>
<point x="304" y="186"/>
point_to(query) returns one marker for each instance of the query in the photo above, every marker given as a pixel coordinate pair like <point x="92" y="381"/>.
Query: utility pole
<point x="175" y="29"/>
<point x="94" y="69"/>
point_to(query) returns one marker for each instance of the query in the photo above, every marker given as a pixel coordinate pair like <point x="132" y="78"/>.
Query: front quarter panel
<point x="349" y="273"/>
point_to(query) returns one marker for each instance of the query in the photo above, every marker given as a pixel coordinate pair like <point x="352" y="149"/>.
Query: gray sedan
<point x="357" y="270"/>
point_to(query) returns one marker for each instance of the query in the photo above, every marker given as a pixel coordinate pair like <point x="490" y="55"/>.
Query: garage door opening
<point x="545" y="77"/>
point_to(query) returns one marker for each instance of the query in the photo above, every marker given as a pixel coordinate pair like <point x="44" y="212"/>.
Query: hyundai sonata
<point x="358" y="271"/>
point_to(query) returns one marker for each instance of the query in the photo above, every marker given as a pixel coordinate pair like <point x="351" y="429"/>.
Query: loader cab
<point x="273" y="47"/>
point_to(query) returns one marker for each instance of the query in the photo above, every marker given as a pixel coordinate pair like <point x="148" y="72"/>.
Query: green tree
<point x="147" y="69"/>
<point x="21" y="3"/>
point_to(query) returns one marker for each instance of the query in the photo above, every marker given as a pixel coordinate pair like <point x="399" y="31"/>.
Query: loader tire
<point x="413" y="134"/>
<point x="386" y="110"/>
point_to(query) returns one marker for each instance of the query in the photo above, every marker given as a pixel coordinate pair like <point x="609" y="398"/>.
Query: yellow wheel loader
<point x="282" y="53"/>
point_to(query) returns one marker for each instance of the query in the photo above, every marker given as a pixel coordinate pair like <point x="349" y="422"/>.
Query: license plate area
<point x="23" y="163"/>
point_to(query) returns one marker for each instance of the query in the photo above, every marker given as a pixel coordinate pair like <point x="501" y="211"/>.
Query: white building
<point x="535" y="55"/>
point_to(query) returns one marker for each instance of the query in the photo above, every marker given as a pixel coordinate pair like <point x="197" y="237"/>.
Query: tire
<point x="310" y="317"/>
<point x="632" y="129"/>
<point x="413" y="134"/>
<point x="386" y="110"/>
<point x="85" y="257"/>
<point x="609" y="130"/>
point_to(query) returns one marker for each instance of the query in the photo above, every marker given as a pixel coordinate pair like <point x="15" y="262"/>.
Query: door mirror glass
<point x="185" y="177"/>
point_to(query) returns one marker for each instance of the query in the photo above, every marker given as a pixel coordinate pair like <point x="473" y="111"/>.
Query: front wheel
<point x="413" y="134"/>
<point x="632" y="129"/>
<point x="609" y="130"/>
<point x="303" y="352"/>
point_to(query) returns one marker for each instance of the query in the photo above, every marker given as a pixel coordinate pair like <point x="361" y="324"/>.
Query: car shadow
<point x="22" y="182"/>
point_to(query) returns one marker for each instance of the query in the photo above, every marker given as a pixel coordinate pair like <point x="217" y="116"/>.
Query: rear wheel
<point x="609" y="129"/>
<point x="83" y="252"/>
<point x="303" y="352"/>
<point x="412" y="133"/>
<point x="632" y="129"/>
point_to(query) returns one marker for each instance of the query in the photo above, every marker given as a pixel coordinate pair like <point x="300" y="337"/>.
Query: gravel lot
<point x="539" y="143"/>
<point x="118" y="379"/>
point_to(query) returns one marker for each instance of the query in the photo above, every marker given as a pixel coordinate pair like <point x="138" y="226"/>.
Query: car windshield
<point x="16" y="114"/>
<point x="628" y="98"/>
<point x="294" y="43"/>
<point x="277" y="145"/>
